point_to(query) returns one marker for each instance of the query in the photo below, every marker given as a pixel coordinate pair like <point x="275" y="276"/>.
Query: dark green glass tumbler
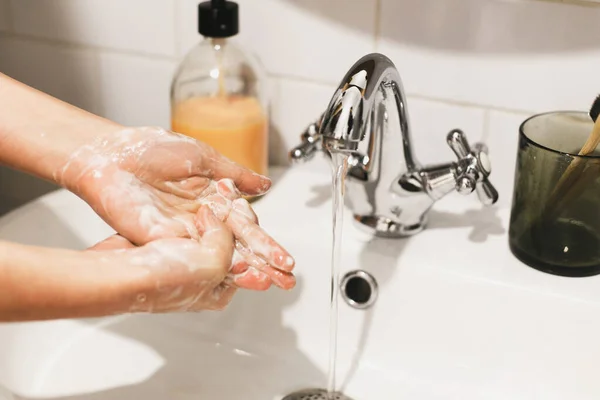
<point x="555" y="216"/>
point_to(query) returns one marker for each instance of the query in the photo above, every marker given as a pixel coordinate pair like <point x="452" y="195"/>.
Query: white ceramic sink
<point x="457" y="317"/>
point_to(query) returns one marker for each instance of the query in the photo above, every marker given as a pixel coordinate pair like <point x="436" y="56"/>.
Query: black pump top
<point x="218" y="18"/>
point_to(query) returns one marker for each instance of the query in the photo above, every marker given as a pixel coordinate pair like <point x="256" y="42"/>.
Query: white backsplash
<point x="479" y="65"/>
<point x="141" y="26"/>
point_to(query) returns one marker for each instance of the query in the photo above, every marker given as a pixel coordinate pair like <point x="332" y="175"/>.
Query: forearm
<point x="38" y="133"/>
<point x="42" y="283"/>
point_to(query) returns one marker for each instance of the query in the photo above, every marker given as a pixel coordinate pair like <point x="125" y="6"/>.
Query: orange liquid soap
<point x="235" y="126"/>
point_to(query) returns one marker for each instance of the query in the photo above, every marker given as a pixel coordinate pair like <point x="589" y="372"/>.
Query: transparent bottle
<point x="219" y="94"/>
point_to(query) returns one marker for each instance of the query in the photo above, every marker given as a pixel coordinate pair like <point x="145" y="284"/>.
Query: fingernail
<point x="289" y="261"/>
<point x="284" y="261"/>
<point x="266" y="183"/>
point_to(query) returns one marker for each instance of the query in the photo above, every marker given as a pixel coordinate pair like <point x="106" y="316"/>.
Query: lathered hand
<point x="148" y="183"/>
<point x="181" y="274"/>
<point x="258" y="260"/>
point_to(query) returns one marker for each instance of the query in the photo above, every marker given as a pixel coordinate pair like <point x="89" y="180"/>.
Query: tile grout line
<point x="303" y="79"/>
<point x="582" y="3"/>
<point x="80" y="46"/>
<point x="377" y="33"/>
<point x="440" y="100"/>
<point x="100" y="49"/>
<point x="466" y="104"/>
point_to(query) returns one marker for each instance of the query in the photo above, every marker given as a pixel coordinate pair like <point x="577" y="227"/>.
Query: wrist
<point x="74" y="157"/>
<point x="34" y="287"/>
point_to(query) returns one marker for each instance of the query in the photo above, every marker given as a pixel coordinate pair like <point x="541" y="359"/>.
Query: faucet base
<point x="384" y="227"/>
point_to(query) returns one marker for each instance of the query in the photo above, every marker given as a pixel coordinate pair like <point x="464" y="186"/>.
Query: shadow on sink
<point x="381" y="256"/>
<point x="245" y="352"/>
<point x="484" y="221"/>
<point x="321" y="194"/>
<point x="51" y="232"/>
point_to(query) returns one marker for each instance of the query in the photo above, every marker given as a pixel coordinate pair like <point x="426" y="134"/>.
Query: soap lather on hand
<point x="258" y="260"/>
<point x="148" y="183"/>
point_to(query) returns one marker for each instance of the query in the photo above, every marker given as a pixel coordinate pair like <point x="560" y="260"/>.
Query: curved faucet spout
<point x="388" y="191"/>
<point x="344" y="123"/>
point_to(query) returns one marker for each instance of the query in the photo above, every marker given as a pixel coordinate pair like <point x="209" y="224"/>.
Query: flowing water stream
<point x="340" y="167"/>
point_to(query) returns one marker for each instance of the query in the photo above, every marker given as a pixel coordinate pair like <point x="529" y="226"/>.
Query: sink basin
<point x="457" y="317"/>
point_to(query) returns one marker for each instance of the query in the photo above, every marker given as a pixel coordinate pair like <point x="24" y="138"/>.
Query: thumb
<point x="217" y="239"/>
<point x="114" y="242"/>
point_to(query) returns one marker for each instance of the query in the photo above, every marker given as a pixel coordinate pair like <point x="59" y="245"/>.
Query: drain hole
<point x="314" y="394"/>
<point x="359" y="289"/>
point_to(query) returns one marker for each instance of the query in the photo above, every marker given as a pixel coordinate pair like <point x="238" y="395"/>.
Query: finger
<point x="238" y="264"/>
<point x="220" y="201"/>
<point x="259" y="242"/>
<point x="114" y="242"/>
<point x="227" y="189"/>
<point x="217" y="239"/>
<point x="248" y="182"/>
<point x="284" y="280"/>
<point x="219" y="205"/>
<point x="243" y="207"/>
<point x="240" y="276"/>
<point x="251" y="279"/>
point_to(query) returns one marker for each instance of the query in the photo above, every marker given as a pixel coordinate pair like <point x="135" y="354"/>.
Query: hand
<point x="148" y="183"/>
<point x="182" y="274"/>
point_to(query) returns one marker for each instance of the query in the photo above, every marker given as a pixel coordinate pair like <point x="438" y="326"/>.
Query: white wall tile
<point x="312" y="39"/>
<point x="66" y="73"/>
<point x="430" y="123"/>
<point x="503" y="143"/>
<point x="513" y="54"/>
<point x="137" y="25"/>
<point x="186" y="28"/>
<point x="294" y="105"/>
<point x="4" y="15"/>
<point x="135" y="90"/>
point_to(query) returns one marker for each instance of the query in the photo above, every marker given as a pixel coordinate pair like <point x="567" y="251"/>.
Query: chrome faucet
<point x="389" y="192"/>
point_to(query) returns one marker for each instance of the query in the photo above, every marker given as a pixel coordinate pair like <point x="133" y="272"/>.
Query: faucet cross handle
<point x="311" y="141"/>
<point x="473" y="168"/>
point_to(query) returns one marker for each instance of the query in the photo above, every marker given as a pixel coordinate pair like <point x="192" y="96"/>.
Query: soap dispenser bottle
<point x="218" y="94"/>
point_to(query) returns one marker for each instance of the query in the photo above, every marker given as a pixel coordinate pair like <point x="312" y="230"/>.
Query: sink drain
<point x="359" y="289"/>
<point x="315" y="394"/>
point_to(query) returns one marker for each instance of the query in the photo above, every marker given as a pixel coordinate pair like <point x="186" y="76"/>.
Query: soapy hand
<point x="148" y="183"/>
<point x="182" y="274"/>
